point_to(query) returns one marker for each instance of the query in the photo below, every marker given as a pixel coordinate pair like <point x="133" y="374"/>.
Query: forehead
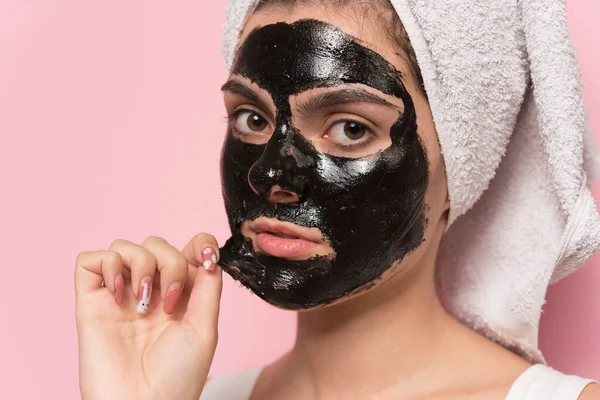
<point x="288" y="58"/>
<point x="357" y="21"/>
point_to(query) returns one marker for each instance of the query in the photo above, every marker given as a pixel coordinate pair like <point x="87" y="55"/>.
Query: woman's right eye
<point x="249" y="122"/>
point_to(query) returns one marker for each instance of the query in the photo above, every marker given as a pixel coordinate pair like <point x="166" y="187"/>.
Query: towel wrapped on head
<point x="504" y="88"/>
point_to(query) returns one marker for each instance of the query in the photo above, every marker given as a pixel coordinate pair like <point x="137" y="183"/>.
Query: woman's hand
<point x="141" y="336"/>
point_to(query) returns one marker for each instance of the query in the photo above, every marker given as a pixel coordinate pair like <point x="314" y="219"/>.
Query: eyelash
<point x="232" y="118"/>
<point x="361" y="144"/>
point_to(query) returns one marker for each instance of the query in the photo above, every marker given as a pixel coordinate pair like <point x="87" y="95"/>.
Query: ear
<point x="447" y="203"/>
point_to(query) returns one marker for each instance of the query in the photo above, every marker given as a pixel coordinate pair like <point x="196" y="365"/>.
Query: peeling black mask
<point x="370" y="209"/>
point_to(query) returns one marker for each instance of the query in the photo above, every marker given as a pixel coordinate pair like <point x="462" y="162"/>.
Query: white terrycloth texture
<point x="505" y="92"/>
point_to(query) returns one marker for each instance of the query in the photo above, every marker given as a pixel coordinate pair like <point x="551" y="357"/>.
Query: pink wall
<point x="111" y="123"/>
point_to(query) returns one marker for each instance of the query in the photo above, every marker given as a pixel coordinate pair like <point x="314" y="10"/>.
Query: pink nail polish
<point x="119" y="289"/>
<point x="209" y="259"/>
<point x="171" y="297"/>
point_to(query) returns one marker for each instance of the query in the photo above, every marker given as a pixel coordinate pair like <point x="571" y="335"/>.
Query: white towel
<point x="505" y="91"/>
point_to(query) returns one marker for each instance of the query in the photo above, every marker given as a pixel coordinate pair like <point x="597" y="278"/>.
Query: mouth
<point x="285" y="239"/>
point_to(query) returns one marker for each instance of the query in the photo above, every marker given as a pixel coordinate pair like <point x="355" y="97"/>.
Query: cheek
<point x="237" y="155"/>
<point x="236" y="160"/>
<point x="437" y="191"/>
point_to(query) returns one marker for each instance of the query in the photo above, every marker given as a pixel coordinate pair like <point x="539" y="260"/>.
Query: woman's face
<point x="332" y="174"/>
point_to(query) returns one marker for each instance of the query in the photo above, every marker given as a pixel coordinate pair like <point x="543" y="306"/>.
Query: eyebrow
<point x="340" y="97"/>
<point x="244" y="91"/>
<point x="315" y="103"/>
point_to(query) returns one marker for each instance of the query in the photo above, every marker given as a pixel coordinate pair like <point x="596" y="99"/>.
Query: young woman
<point x="337" y="195"/>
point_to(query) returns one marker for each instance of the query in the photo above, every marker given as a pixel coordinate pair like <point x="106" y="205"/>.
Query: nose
<point x="278" y="178"/>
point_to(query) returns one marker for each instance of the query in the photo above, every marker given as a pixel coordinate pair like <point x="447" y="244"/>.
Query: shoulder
<point x="591" y="392"/>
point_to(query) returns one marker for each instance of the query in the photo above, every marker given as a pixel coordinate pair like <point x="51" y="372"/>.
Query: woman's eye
<point x="347" y="132"/>
<point x="250" y="122"/>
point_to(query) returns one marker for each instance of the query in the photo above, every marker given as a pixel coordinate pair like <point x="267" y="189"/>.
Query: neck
<point x="390" y="334"/>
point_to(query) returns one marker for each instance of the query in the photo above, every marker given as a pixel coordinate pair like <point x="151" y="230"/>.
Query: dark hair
<point x="389" y="21"/>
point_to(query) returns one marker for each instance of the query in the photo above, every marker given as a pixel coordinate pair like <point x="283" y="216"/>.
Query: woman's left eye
<point x="347" y="133"/>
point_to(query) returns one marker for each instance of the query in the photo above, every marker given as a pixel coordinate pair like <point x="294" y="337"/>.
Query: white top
<point x="539" y="382"/>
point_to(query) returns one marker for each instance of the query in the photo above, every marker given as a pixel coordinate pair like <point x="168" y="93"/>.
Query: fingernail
<point x="171" y="297"/>
<point x="119" y="289"/>
<point x="209" y="259"/>
<point x="144" y="293"/>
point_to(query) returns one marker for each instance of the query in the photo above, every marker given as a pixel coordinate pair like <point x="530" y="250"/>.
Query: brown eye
<point x="256" y="122"/>
<point x="348" y="133"/>
<point x="250" y="122"/>
<point x="354" y="131"/>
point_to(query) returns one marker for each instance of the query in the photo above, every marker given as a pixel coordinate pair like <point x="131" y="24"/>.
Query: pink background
<point x="111" y="122"/>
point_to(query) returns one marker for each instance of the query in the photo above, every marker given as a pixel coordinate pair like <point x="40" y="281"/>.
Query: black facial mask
<point x="370" y="209"/>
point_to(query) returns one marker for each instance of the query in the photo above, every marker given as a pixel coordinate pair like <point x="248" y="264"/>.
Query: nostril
<point x="279" y="195"/>
<point x="283" y="197"/>
<point x="287" y="195"/>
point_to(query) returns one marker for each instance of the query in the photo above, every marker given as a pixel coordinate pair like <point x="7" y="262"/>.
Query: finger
<point x="142" y="266"/>
<point x="173" y="269"/>
<point x="203" y="307"/>
<point x="193" y="250"/>
<point x="94" y="267"/>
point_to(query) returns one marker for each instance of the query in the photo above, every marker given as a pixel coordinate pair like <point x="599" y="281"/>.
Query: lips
<point x="287" y="240"/>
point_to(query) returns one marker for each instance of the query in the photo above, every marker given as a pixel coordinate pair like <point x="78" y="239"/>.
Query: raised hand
<point x="147" y="319"/>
